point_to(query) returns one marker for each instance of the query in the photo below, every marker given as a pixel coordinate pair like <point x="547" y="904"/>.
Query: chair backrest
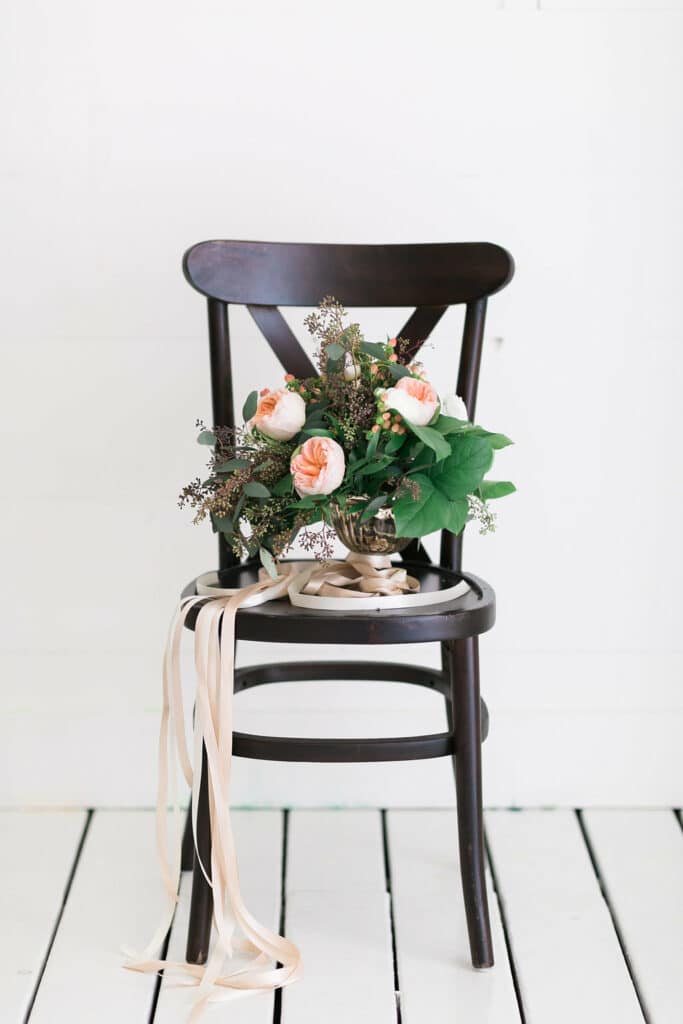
<point x="265" y="275"/>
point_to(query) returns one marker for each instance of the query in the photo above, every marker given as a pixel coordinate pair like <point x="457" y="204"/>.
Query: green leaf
<point x="414" y="448"/>
<point x="490" y="489"/>
<point x="374" y="467"/>
<point x="256" y="490"/>
<point x="250" y="406"/>
<point x="232" y="464"/>
<point x="398" y="370"/>
<point x="223" y="524"/>
<point x="464" y="469"/>
<point x="496" y="441"/>
<point x="374" y="348"/>
<point x="352" y="468"/>
<point x="308" y="501"/>
<point x="317" y="432"/>
<point x="373" y="442"/>
<point x="449" y="425"/>
<point x="334" y="350"/>
<point x="431" y="511"/>
<point x="432" y="438"/>
<point x="206" y="437"/>
<point x="458" y="512"/>
<point x="374" y="506"/>
<point x="283" y="486"/>
<point x="395" y="442"/>
<point x="268" y="563"/>
<point x="416" y="517"/>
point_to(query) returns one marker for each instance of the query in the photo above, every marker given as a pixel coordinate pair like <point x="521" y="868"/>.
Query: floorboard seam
<point x="392" y="924"/>
<point x="282" y="924"/>
<point x="615" y="924"/>
<point x="160" y="974"/>
<point x="60" y="914"/>
<point x="506" y="930"/>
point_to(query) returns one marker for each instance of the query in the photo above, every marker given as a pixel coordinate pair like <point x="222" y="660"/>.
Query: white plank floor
<point x="587" y="918"/>
<point x="626" y="847"/>
<point x="37" y="852"/>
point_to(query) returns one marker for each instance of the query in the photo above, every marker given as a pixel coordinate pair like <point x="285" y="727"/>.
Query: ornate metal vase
<point x="376" y="536"/>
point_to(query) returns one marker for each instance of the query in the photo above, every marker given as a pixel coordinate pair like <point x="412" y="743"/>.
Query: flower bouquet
<point x="369" y="441"/>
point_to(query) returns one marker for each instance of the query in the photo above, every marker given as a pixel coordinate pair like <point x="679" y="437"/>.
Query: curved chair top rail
<point x="298" y="274"/>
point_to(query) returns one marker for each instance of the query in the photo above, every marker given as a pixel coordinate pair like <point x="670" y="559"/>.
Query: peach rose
<point x="318" y="467"/>
<point x="416" y="400"/>
<point x="279" y="414"/>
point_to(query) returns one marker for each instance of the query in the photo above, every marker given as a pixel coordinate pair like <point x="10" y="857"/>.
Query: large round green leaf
<point x="462" y="472"/>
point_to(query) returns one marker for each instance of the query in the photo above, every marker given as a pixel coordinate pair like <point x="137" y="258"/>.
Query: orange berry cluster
<point x="390" y="421"/>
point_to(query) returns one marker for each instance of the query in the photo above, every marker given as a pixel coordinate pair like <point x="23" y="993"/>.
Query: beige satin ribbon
<point x="360" y="576"/>
<point x="214" y="662"/>
<point x="214" y="650"/>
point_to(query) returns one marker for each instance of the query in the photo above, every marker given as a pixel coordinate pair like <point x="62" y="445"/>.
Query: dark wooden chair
<point x="263" y="276"/>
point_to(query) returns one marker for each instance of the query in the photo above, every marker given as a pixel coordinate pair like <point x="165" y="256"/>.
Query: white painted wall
<point x="132" y="130"/>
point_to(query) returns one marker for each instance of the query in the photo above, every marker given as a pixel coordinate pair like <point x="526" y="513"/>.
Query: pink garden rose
<point x="318" y="467"/>
<point x="279" y="414"/>
<point x="416" y="400"/>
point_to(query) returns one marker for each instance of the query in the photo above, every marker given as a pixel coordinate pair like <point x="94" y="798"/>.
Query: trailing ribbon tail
<point x="214" y="661"/>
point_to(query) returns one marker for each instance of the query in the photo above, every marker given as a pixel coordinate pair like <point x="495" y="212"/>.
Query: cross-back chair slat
<point x="282" y="340"/>
<point x="417" y="329"/>
<point x="265" y="275"/>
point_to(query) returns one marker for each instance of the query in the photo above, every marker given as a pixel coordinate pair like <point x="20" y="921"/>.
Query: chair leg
<point x="446" y="669"/>
<point x="462" y="658"/>
<point x="201" y="905"/>
<point x="187" y="852"/>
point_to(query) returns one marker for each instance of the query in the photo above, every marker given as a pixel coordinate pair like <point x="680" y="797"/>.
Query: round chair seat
<point x="281" y="622"/>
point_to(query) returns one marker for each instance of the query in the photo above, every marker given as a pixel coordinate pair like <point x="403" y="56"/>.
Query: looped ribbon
<point x="214" y="654"/>
<point x="361" y="576"/>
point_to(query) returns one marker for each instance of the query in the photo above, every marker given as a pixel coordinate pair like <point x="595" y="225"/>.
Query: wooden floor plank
<point x="435" y="972"/>
<point x="115" y="900"/>
<point x="569" y="963"/>
<point x="353" y="851"/>
<point x="37" y="852"/>
<point x="258" y="838"/>
<point x="338" y="913"/>
<point x="640" y="858"/>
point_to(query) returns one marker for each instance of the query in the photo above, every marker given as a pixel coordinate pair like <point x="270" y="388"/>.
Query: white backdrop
<point x="132" y="130"/>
